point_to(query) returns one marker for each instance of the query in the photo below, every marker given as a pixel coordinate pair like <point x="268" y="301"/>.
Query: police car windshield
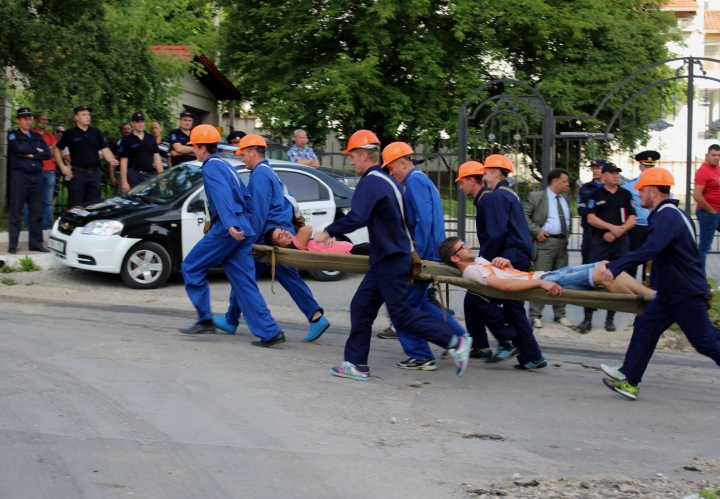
<point x="168" y="186"/>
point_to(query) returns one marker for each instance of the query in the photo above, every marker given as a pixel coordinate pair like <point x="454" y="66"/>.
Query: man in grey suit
<point x="548" y="217"/>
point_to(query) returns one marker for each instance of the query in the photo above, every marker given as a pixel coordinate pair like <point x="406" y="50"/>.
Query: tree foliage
<point x="91" y="52"/>
<point x="402" y="68"/>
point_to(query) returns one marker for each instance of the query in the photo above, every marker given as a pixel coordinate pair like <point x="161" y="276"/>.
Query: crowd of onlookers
<point x="42" y="157"/>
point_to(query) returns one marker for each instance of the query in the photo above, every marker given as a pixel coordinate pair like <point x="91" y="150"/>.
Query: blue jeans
<point x="578" y="277"/>
<point x="48" y="189"/>
<point x="708" y="225"/>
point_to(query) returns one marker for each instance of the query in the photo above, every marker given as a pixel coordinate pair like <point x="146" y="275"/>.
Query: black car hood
<point x="109" y="209"/>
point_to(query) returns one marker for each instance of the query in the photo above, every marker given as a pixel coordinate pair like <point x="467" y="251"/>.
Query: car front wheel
<point x="326" y="275"/>
<point x="146" y="266"/>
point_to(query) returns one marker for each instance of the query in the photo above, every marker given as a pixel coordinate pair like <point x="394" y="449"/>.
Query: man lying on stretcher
<point x="303" y="241"/>
<point x="500" y="275"/>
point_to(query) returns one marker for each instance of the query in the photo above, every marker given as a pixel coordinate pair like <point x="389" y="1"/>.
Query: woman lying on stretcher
<point x="303" y="241"/>
<point x="500" y="275"/>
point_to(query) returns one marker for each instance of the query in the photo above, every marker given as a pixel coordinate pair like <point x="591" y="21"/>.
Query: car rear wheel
<point x="326" y="275"/>
<point x="146" y="266"/>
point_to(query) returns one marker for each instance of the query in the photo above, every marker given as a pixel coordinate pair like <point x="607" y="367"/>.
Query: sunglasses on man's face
<point x="462" y="247"/>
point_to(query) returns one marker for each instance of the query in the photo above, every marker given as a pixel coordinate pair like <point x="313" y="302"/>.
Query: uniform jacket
<point x="19" y="143"/>
<point x="536" y="210"/>
<point x="228" y="198"/>
<point x="479" y="203"/>
<point x="641" y="214"/>
<point x="507" y="230"/>
<point x="425" y="213"/>
<point x="676" y="273"/>
<point x="582" y="199"/>
<point x="272" y="210"/>
<point x="375" y="205"/>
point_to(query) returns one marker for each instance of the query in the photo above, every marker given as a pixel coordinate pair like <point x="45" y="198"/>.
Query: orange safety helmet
<point x="250" y="140"/>
<point x="470" y="168"/>
<point x="499" y="161"/>
<point x="394" y="151"/>
<point x="204" y="134"/>
<point x="655" y="176"/>
<point x="362" y="138"/>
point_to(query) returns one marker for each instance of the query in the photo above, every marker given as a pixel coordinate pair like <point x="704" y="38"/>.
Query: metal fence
<point x="442" y="168"/>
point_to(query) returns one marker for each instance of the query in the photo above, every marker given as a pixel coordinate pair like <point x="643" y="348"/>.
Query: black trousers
<point x="638" y="236"/>
<point x="135" y="177"/>
<point x="26" y="188"/>
<point x="84" y="187"/>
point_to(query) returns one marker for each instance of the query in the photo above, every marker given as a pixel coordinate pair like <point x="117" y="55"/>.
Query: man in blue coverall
<point x="228" y="243"/>
<point x="425" y="214"/>
<point x="273" y="210"/>
<point x="677" y="276"/>
<point x="378" y="204"/>
<point x="480" y="309"/>
<point x="26" y="150"/>
<point x="507" y="235"/>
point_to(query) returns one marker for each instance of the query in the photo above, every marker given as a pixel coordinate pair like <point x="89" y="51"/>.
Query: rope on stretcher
<point x="439" y="273"/>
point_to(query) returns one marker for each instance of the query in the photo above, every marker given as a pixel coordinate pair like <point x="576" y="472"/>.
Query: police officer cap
<point x="234" y="137"/>
<point x="82" y="108"/>
<point x="610" y="167"/>
<point x="138" y="117"/>
<point x="598" y="162"/>
<point x="186" y="114"/>
<point x="24" y="112"/>
<point x="648" y="158"/>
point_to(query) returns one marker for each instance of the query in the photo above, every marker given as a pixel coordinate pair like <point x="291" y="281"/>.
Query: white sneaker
<point x="563" y="321"/>
<point x="537" y="324"/>
<point x="613" y="372"/>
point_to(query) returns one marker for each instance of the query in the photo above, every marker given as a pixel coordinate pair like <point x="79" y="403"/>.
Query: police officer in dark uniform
<point x="678" y="277"/>
<point x="125" y="130"/>
<point x="611" y="215"/>
<point x="507" y="236"/>
<point x="84" y="143"/>
<point x="181" y="152"/>
<point x="27" y="150"/>
<point x="139" y="155"/>
<point x="233" y="138"/>
<point x="582" y="199"/>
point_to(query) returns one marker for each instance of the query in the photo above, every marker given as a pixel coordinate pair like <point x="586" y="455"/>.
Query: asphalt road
<point x="106" y="400"/>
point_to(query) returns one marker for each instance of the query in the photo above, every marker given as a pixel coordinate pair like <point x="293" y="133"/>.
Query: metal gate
<point x="660" y="106"/>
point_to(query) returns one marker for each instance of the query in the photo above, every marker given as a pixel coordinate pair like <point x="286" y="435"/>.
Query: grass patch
<point x="27" y="264"/>
<point x="29" y="283"/>
<point x="709" y="494"/>
<point x="7" y="269"/>
<point x="8" y="281"/>
<point x="4" y="217"/>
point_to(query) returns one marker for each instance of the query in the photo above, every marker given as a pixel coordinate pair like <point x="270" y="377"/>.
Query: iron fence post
<point x="690" y="96"/>
<point x="462" y="157"/>
<point x="548" y="144"/>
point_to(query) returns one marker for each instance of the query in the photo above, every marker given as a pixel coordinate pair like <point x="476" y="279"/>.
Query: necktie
<point x="561" y="214"/>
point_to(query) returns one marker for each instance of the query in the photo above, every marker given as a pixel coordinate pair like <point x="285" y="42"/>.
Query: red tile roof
<point x="213" y="77"/>
<point x="681" y="5"/>
<point x="712" y="21"/>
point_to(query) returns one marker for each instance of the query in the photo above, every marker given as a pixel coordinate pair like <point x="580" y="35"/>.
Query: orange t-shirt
<point x="48" y="164"/>
<point x="340" y="247"/>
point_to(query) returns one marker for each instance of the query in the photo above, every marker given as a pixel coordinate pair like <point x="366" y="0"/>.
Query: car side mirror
<point x="197" y="206"/>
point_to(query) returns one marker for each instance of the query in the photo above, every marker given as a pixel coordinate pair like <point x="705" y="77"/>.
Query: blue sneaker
<point x="317" y="329"/>
<point x="532" y="366"/>
<point x="222" y="324"/>
<point x="350" y="370"/>
<point x="506" y="351"/>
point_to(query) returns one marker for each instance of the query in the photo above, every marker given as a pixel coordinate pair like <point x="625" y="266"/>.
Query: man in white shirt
<point x="547" y="213"/>
<point x="500" y="275"/>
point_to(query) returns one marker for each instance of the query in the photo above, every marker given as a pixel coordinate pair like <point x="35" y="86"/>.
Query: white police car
<point x="145" y="233"/>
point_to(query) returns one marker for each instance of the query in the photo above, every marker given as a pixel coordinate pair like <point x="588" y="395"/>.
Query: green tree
<point x="402" y="68"/>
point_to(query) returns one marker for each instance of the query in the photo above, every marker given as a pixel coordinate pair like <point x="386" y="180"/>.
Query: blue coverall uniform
<point x="26" y="183"/>
<point x="508" y="237"/>
<point x="582" y="200"/>
<point x="375" y="205"/>
<point x="231" y="206"/>
<point x="682" y="291"/>
<point x="273" y="211"/>
<point x="477" y="307"/>
<point x="424" y="212"/>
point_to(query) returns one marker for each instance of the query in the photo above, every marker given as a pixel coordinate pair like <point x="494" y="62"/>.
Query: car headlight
<point x="103" y="228"/>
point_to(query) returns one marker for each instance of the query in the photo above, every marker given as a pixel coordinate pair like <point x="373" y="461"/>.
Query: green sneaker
<point x="623" y="387"/>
